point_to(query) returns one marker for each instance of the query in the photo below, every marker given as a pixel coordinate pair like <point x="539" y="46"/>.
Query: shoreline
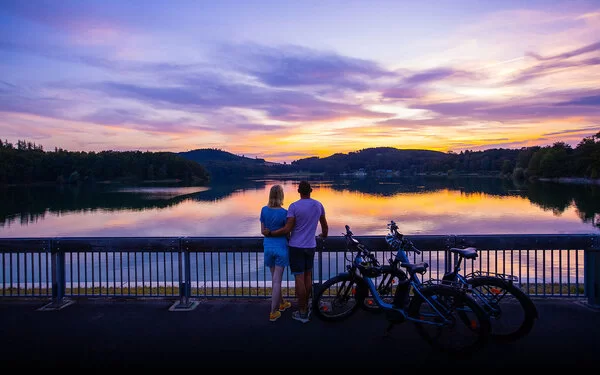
<point x="572" y="180"/>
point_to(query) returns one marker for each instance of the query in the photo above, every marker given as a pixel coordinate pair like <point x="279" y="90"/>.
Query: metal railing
<point x="188" y="268"/>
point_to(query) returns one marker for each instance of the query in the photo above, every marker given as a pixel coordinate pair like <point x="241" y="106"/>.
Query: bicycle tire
<point x="469" y="326"/>
<point x="336" y="299"/>
<point x="512" y="312"/>
<point x="386" y="287"/>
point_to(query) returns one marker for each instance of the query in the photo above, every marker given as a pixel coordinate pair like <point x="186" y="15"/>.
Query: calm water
<point x="420" y="206"/>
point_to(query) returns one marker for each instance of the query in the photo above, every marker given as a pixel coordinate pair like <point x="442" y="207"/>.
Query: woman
<point x="273" y="217"/>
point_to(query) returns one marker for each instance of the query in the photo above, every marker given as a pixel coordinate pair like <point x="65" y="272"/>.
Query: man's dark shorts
<point x="301" y="259"/>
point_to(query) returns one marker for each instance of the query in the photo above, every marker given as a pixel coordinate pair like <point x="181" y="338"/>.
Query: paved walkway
<point x="236" y="334"/>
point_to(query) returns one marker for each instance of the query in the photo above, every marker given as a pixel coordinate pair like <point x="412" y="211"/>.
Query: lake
<point x="425" y="205"/>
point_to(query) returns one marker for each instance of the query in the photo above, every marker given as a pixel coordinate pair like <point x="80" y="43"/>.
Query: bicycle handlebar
<point x="360" y="247"/>
<point x="403" y="241"/>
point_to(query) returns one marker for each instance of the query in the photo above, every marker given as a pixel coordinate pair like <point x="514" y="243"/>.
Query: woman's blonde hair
<point x="275" y="196"/>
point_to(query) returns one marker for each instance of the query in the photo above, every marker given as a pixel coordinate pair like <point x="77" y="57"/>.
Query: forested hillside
<point x="29" y="163"/>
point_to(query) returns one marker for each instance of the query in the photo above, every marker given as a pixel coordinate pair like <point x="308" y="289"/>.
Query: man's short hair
<point x="304" y="188"/>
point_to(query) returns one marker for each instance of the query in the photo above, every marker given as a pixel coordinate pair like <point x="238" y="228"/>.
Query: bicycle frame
<point x="402" y="256"/>
<point x="415" y="285"/>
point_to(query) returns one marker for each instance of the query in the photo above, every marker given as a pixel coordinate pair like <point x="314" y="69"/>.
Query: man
<point x="303" y="216"/>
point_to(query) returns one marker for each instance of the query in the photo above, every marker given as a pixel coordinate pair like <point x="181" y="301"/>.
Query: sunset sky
<point x="284" y="80"/>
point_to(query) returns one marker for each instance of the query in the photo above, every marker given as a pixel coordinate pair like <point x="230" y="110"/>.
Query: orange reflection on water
<point x="444" y="211"/>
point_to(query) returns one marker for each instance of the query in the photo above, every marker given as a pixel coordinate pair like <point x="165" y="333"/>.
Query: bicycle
<point x="512" y="312"/>
<point x="443" y="312"/>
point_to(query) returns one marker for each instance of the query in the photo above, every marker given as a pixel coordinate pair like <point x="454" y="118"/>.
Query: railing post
<point x="320" y="260"/>
<point x="57" y="265"/>
<point x="448" y="261"/>
<point x="185" y="280"/>
<point x="591" y="269"/>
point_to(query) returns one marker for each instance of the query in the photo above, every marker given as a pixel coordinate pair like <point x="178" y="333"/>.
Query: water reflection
<point x="419" y="205"/>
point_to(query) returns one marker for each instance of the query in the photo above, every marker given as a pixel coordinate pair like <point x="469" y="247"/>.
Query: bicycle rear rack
<point x="503" y="276"/>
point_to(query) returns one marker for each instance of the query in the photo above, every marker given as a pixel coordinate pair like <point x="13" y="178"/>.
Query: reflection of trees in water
<point x="223" y="188"/>
<point x="587" y="202"/>
<point x="549" y="196"/>
<point x="559" y="197"/>
<point x="394" y="186"/>
<point x="30" y="204"/>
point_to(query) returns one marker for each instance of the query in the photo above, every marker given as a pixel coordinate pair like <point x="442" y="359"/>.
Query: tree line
<point x="26" y="163"/>
<point x="557" y="160"/>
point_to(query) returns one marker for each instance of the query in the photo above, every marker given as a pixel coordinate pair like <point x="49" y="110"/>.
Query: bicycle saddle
<point x="412" y="268"/>
<point x="468" y="253"/>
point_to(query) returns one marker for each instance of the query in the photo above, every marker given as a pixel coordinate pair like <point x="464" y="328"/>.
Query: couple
<point x="300" y="222"/>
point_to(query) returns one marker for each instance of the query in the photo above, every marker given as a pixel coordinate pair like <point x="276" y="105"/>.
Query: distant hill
<point x="208" y="155"/>
<point x="223" y="165"/>
<point x="377" y="158"/>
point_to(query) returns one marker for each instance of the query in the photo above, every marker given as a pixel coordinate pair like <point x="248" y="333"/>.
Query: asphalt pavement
<point x="103" y="334"/>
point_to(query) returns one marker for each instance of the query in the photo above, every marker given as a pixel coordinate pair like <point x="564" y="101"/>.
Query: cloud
<point x="62" y="53"/>
<point x="138" y="120"/>
<point x="552" y="64"/>
<point x="593" y="100"/>
<point x="541" y="106"/>
<point x="296" y="66"/>
<point x="414" y="85"/>
<point x="576" y="52"/>
<point x="437" y="74"/>
<point x="578" y="131"/>
<point x="35" y="104"/>
<point x="283" y="105"/>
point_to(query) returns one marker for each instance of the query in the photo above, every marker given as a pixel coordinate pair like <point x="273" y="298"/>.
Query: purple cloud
<point x="583" y="129"/>
<point x="551" y="64"/>
<point x="137" y="120"/>
<point x="17" y="100"/>
<point x="547" y="68"/>
<point x="403" y="92"/>
<point x="535" y="108"/>
<point x="295" y="66"/>
<point x="593" y="100"/>
<point x="61" y="53"/>
<point x="282" y="105"/>
<point x="576" y="52"/>
<point x="413" y="86"/>
<point x="437" y="74"/>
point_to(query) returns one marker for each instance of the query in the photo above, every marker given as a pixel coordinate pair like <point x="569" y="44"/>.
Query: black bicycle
<point x="443" y="312"/>
<point x="512" y="312"/>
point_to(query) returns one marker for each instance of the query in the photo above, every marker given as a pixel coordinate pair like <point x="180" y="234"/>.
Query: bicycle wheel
<point x="386" y="284"/>
<point x="467" y="326"/>
<point x="512" y="313"/>
<point x="336" y="299"/>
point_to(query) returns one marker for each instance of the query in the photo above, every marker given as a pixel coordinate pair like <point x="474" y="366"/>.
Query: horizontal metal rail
<point x="564" y="265"/>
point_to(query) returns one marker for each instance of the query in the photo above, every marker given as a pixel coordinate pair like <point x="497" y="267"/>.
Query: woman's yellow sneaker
<point x="285" y="305"/>
<point x="274" y="316"/>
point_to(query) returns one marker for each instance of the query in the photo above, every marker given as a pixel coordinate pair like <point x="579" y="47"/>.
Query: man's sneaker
<point x="285" y="305"/>
<point x="297" y="315"/>
<point x="274" y="316"/>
